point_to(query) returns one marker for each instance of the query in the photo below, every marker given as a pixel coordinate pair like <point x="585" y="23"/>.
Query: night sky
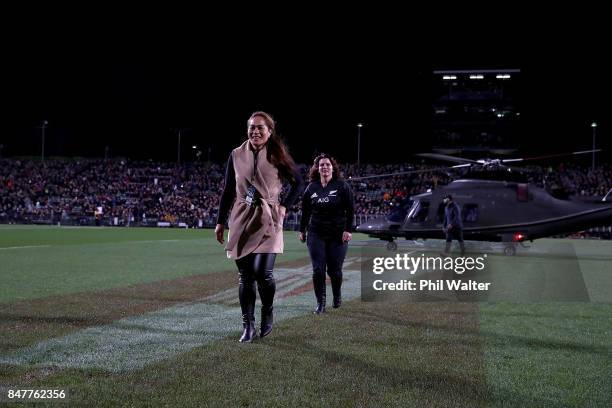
<point x="131" y="95"/>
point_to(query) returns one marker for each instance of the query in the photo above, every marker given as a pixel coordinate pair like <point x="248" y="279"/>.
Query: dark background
<point x="132" y="92"/>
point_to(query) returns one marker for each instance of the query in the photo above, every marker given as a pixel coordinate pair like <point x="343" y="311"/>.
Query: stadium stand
<point x="121" y="192"/>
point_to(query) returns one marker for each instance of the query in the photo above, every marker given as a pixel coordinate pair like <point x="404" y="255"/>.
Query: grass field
<point x="149" y="317"/>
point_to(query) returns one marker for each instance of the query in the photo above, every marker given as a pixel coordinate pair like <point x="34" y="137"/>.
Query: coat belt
<point x="267" y="222"/>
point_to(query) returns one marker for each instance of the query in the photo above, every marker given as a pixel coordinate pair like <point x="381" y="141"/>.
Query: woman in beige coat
<point x="253" y="181"/>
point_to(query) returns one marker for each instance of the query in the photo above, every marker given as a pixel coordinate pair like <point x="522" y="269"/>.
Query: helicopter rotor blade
<point x="401" y="173"/>
<point x="553" y="155"/>
<point x="445" y="157"/>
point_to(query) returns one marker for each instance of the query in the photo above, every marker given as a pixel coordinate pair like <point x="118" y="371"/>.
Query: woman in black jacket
<point x="327" y="211"/>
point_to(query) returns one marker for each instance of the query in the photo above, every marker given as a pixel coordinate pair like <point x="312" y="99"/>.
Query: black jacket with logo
<point x="327" y="211"/>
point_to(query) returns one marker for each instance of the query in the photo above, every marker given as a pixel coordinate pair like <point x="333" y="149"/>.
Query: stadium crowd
<point x="124" y="192"/>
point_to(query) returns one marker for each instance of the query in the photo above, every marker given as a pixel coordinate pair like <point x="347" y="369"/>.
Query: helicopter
<point x="497" y="205"/>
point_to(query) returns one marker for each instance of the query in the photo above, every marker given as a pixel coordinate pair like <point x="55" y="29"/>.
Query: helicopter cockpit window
<point x="469" y="212"/>
<point x="419" y="210"/>
<point x="398" y="212"/>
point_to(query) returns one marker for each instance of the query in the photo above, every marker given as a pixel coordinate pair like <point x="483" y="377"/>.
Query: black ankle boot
<point x="320" y="305"/>
<point x="267" y="319"/>
<point x="319" y="290"/>
<point x="320" y="308"/>
<point x="337" y="302"/>
<point x="249" y="333"/>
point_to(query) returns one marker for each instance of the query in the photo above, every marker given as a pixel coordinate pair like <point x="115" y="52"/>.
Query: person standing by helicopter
<point x="453" y="225"/>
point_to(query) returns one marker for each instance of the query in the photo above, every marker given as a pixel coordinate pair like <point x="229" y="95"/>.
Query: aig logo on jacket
<point x="322" y="199"/>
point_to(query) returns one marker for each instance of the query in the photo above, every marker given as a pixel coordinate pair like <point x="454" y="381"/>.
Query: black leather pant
<point x="256" y="268"/>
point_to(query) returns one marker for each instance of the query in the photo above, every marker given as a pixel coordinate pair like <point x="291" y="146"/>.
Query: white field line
<point x="25" y="247"/>
<point x="126" y="242"/>
<point x="134" y="342"/>
<point x="150" y="241"/>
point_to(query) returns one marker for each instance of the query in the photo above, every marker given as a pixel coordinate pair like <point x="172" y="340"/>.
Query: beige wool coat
<point x="255" y="228"/>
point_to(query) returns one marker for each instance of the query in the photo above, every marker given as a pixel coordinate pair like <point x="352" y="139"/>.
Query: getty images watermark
<point x="423" y="277"/>
<point x="412" y="265"/>
<point x="482" y="275"/>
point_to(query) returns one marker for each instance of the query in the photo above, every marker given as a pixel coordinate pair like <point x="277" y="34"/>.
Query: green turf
<point x="57" y="261"/>
<point x="361" y="355"/>
<point x="554" y="354"/>
<point x="25" y="235"/>
<point x="372" y="355"/>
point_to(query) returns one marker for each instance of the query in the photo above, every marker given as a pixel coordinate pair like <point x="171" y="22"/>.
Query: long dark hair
<point x="314" y="174"/>
<point x="277" y="151"/>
